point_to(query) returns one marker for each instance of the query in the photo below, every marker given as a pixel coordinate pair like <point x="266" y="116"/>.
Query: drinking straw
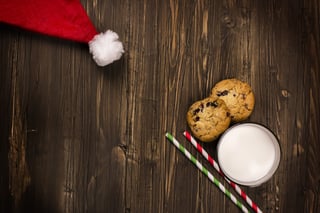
<point x="216" y="166"/>
<point x="206" y="172"/>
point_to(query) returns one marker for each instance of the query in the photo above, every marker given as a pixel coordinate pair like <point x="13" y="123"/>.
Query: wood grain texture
<point x="79" y="138"/>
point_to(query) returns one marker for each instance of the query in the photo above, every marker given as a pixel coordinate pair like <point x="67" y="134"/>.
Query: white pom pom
<point x="106" y="48"/>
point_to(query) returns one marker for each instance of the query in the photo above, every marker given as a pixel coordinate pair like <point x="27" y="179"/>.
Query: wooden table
<point x="79" y="138"/>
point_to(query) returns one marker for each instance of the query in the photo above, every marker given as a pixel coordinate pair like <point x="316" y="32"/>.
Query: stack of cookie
<point x="230" y="101"/>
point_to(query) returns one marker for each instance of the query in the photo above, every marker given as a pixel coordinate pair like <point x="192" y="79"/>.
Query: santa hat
<point x="65" y="19"/>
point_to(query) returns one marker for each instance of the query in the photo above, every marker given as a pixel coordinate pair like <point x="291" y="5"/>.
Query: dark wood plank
<point x="79" y="138"/>
<point x="5" y="100"/>
<point x="312" y="64"/>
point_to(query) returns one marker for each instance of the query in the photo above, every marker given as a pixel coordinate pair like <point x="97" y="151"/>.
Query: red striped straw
<point x="216" y="166"/>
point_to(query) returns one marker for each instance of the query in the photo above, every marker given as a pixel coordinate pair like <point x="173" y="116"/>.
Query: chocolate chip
<point x="201" y="107"/>
<point x="214" y="104"/>
<point x="223" y="93"/>
<point x="196" y="111"/>
<point x="197" y="119"/>
<point x="228" y="114"/>
<point x="208" y="104"/>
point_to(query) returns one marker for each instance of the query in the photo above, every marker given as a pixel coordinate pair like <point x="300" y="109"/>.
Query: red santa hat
<point x="65" y="19"/>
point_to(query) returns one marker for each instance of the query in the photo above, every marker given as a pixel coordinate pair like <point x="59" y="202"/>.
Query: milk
<point x="248" y="154"/>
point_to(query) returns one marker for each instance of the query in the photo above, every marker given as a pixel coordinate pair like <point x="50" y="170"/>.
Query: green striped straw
<point x="206" y="172"/>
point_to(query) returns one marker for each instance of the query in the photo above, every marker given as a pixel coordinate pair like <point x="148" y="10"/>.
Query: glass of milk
<point x="248" y="154"/>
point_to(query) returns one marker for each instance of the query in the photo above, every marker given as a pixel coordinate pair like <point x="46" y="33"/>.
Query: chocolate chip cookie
<point x="238" y="97"/>
<point x="208" y="118"/>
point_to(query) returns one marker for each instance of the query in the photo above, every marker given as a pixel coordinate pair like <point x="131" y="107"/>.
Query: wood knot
<point x="228" y="21"/>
